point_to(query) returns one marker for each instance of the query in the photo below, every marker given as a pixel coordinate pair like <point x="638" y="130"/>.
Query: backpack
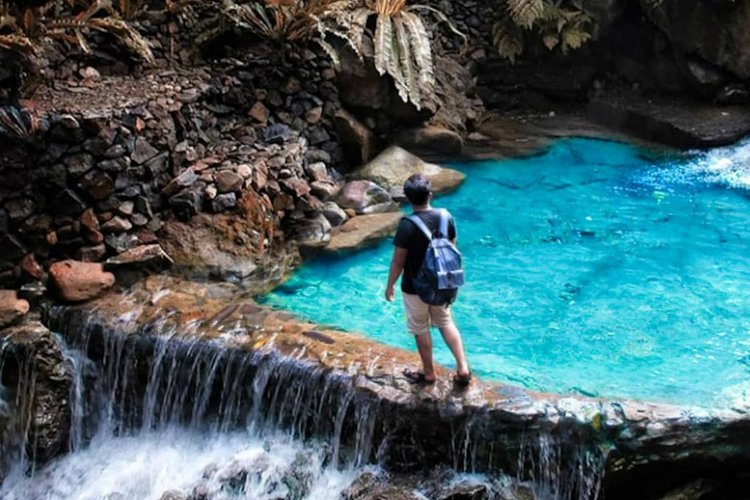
<point x="441" y="274"/>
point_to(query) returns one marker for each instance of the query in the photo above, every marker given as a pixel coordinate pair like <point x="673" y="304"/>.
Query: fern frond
<point x="409" y="90"/>
<point x="421" y="49"/>
<point x="508" y="39"/>
<point x="573" y="38"/>
<point x="525" y="12"/>
<point x="383" y="44"/>
<point x="126" y="34"/>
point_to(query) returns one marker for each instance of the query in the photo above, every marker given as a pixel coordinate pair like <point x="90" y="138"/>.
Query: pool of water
<point x="596" y="268"/>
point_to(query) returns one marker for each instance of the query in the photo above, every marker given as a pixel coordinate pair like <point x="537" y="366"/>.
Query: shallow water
<point x="596" y="268"/>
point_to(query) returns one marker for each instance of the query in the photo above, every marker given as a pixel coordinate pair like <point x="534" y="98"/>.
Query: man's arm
<point x="397" y="267"/>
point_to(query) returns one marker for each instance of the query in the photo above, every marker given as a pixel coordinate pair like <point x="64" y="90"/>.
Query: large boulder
<point x="76" y="281"/>
<point x="39" y="379"/>
<point x="395" y="165"/>
<point x="365" y="197"/>
<point x="431" y="139"/>
<point x="363" y="230"/>
<point x="715" y="30"/>
<point x="313" y="232"/>
<point x="12" y="309"/>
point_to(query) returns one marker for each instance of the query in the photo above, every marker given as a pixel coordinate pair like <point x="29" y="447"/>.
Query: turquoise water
<point x="596" y="268"/>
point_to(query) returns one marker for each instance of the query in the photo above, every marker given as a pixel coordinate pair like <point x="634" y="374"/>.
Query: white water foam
<point x="727" y="166"/>
<point x="179" y="461"/>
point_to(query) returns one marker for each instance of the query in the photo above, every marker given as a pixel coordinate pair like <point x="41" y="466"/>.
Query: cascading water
<point x="167" y="415"/>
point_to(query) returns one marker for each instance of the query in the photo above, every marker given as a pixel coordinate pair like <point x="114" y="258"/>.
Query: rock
<point x="19" y="209"/>
<point x="245" y="171"/>
<point x="76" y="281"/>
<point x="223" y="202"/>
<point x="143" y="151"/>
<point x="431" y="139"/>
<point x="312" y="233"/>
<point x="277" y="134"/>
<point x="393" y="166"/>
<point x="362" y="195"/>
<point x="357" y="141"/>
<point x="228" y="181"/>
<point x="89" y="73"/>
<point x="31" y="267"/>
<point x="184" y="180"/>
<point x="317" y="155"/>
<point x="335" y="215"/>
<point x="314" y="115"/>
<point x="67" y="202"/>
<point x="117" y="224"/>
<point x="97" y="184"/>
<point x="92" y="254"/>
<point x="715" y="34"/>
<point x="317" y="172"/>
<point x="672" y="120"/>
<point x="363" y="230"/>
<point x="126" y="208"/>
<point x="188" y="202"/>
<point x="120" y="242"/>
<point x="324" y="190"/>
<point x="12" y="309"/>
<point x="79" y="164"/>
<point x="259" y="112"/>
<point x="317" y="135"/>
<point x="296" y="185"/>
<point x="151" y="256"/>
<point x="42" y="368"/>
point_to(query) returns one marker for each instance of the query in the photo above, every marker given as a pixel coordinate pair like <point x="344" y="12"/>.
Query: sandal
<point x="417" y="377"/>
<point x="462" y="380"/>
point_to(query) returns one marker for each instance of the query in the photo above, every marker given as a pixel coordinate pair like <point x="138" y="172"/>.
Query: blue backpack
<point x="441" y="274"/>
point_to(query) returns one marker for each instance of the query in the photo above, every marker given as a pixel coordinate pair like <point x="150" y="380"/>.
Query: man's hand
<point x="389" y="293"/>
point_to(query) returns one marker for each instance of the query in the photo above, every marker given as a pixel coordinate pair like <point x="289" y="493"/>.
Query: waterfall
<point x="160" y="411"/>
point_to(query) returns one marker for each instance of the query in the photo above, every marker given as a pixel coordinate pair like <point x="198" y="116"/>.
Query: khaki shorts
<point x="419" y="315"/>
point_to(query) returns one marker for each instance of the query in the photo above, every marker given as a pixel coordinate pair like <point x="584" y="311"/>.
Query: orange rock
<point x="77" y="281"/>
<point x="31" y="267"/>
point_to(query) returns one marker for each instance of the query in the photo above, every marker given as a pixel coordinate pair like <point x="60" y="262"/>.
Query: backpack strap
<point x="421" y="225"/>
<point x="444" y="217"/>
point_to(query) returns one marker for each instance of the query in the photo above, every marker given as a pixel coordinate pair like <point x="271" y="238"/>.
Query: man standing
<point x="409" y="253"/>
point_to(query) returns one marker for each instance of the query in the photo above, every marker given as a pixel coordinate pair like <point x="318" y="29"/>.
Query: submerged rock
<point x="393" y="166"/>
<point x="76" y="281"/>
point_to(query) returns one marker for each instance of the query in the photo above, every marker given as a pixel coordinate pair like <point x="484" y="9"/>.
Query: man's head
<point x="418" y="190"/>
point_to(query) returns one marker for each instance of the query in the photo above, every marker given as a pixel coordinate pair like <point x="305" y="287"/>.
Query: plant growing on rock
<point x="559" y="23"/>
<point x="401" y="44"/>
<point x="392" y="31"/>
<point x="26" y="29"/>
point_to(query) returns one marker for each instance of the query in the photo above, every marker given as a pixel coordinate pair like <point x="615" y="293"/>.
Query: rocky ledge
<point x="630" y="449"/>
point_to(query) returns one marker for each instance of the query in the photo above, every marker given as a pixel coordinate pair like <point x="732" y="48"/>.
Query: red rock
<point x="77" y="281"/>
<point x="144" y="255"/>
<point x="31" y="267"/>
<point x="12" y="309"/>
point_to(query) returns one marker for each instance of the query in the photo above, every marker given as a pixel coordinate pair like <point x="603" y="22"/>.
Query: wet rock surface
<point x="12" y="309"/>
<point x="39" y="378"/>
<point x="626" y="448"/>
<point x="395" y="165"/>
<point x="363" y="230"/>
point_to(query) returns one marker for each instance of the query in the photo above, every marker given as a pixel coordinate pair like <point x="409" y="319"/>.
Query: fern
<point x="559" y="24"/>
<point x="525" y="12"/>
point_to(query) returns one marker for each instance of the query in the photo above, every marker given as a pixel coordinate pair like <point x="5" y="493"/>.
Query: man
<point x="410" y="245"/>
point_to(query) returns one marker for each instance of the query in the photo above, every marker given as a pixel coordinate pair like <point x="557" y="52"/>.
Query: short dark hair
<point x="417" y="189"/>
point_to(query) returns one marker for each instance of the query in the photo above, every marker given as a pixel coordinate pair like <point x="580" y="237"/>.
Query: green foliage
<point x="558" y="23"/>
<point x="27" y="30"/>
<point x="401" y="44"/>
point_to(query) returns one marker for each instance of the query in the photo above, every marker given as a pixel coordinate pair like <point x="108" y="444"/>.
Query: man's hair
<point x="417" y="189"/>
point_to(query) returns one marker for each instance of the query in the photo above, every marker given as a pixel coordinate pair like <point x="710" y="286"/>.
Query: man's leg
<point x="442" y="318"/>
<point x="418" y="323"/>
<point x="452" y="337"/>
<point x="424" y="346"/>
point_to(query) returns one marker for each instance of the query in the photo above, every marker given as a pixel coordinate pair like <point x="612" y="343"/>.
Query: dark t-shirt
<point x="410" y="237"/>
